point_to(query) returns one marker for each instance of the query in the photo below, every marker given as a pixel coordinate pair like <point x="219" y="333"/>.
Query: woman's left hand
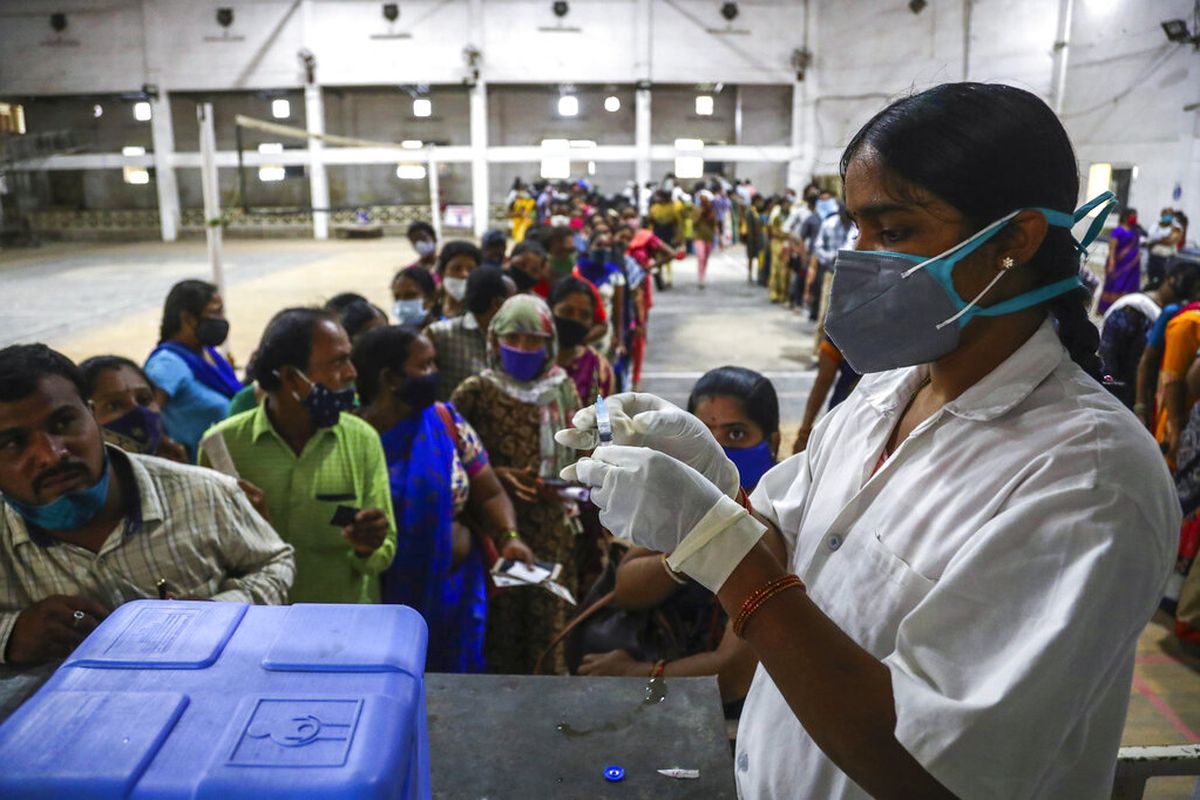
<point x="614" y="662"/>
<point x="517" y="550"/>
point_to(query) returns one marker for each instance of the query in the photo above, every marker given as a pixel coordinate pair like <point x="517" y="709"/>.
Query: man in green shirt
<point x="310" y="459"/>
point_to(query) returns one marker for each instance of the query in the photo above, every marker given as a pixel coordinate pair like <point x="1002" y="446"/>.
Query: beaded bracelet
<point x="670" y="572"/>
<point x="755" y="601"/>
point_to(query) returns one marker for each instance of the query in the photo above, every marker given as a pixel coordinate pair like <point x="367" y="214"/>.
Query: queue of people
<point x="360" y="457"/>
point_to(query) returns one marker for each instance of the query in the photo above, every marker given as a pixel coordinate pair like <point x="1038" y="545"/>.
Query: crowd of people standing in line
<point x="396" y="458"/>
<point x="1149" y="308"/>
<point x="368" y="457"/>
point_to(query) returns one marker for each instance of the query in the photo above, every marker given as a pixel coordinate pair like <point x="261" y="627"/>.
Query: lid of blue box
<point x="93" y="744"/>
<point x="161" y="634"/>
<point x="332" y="638"/>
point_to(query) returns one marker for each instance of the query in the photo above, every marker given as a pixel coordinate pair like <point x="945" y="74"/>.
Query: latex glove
<point x="644" y="420"/>
<point x="661" y="503"/>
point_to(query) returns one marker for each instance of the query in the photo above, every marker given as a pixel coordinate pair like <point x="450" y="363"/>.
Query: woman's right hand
<point x="520" y="483"/>
<point x="644" y="420"/>
<point x="517" y="550"/>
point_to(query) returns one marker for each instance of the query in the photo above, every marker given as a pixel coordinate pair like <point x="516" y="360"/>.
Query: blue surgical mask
<point x="890" y="310"/>
<point x="69" y="511"/>
<point x="522" y="365"/>
<point x="751" y="462"/>
<point x="827" y="207"/>
<point x="409" y="312"/>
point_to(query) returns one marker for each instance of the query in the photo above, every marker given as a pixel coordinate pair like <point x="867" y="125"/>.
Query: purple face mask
<point x="138" y="431"/>
<point x="521" y="365"/>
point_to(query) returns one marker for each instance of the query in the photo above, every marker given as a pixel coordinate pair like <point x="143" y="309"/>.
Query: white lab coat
<point x="1001" y="564"/>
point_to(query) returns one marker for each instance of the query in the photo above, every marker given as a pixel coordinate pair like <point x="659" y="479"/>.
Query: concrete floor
<point x="92" y="299"/>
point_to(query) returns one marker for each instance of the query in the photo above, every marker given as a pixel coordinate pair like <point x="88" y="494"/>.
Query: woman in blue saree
<point x="439" y="473"/>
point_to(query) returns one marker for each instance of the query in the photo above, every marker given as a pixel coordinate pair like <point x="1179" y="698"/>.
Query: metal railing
<point x="1136" y="765"/>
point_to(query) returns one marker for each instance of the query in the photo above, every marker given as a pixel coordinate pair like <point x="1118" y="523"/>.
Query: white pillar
<point x="479" y="161"/>
<point x="318" y="182"/>
<point x="643" y="69"/>
<point x="642" y="166"/>
<point x="1062" y="43"/>
<point x="212" y="197"/>
<point x="803" y="163"/>
<point x="162" y="131"/>
<point x="798" y="165"/>
<point x="435" y="216"/>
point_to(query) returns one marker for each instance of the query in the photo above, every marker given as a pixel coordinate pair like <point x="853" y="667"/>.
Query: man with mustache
<point x="85" y="527"/>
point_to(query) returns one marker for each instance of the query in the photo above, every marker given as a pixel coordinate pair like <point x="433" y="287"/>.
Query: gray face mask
<point x="889" y="310"/>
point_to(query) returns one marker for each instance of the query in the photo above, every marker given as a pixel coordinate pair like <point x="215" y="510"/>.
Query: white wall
<point x="178" y="43"/>
<point x="1124" y="93"/>
<point x="1126" y="89"/>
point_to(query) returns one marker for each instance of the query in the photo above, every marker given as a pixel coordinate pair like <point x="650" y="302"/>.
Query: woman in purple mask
<point x="126" y="406"/>
<point x="515" y="406"/>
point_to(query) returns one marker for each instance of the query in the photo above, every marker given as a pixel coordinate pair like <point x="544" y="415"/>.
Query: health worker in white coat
<point x="945" y="590"/>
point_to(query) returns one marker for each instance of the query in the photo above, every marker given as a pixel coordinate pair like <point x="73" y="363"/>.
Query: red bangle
<point x="755" y="601"/>
<point x="744" y="500"/>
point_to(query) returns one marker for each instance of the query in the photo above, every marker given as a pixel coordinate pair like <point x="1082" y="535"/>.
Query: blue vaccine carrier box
<point x="189" y="699"/>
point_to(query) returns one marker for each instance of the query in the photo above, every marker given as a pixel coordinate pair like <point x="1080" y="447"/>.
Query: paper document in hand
<point x="520" y="571"/>
<point x="507" y="574"/>
<point x="218" y="454"/>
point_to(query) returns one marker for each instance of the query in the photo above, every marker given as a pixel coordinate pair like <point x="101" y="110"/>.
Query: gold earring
<point x="1006" y="263"/>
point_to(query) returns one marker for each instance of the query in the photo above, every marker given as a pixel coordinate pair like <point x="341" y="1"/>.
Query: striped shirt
<point x="192" y="527"/>
<point x="461" y="348"/>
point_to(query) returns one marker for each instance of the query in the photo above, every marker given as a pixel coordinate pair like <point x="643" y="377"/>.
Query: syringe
<point x="603" y="422"/>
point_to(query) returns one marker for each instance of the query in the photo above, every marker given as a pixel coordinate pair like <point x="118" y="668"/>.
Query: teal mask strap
<point x="1042" y="294"/>
<point x="1029" y="299"/>
<point x="1063" y="220"/>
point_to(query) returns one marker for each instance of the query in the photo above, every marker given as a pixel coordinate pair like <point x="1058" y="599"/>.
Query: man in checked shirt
<point x="85" y="527"/>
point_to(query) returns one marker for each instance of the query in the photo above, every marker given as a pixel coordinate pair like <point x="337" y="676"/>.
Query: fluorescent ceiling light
<point x="422" y="107"/>
<point x="410" y="172"/>
<point x="612" y="103"/>
<point x="568" y="105"/>
<point x="412" y="144"/>
<point x="270" y="147"/>
<point x="689" y="167"/>
<point x="271" y="174"/>
<point x="281" y="109"/>
<point x="141" y="111"/>
<point x="704" y="105"/>
<point x="133" y="150"/>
